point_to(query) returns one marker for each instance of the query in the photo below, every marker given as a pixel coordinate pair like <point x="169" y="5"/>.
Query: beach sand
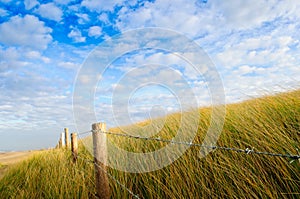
<point x="9" y="158"/>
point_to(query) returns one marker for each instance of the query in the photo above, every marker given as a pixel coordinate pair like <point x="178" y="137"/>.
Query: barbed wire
<point x="238" y="150"/>
<point x="85" y="132"/>
<point x="112" y="177"/>
<point x="118" y="182"/>
<point x="191" y="144"/>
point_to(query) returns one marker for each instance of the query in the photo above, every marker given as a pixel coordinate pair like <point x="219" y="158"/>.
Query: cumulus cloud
<point x="214" y="17"/>
<point x="262" y="50"/>
<point x="76" y="36"/>
<point x="27" y="31"/>
<point x="30" y="98"/>
<point x="35" y="55"/>
<point x="33" y="108"/>
<point x="189" y="18"/>
<point x="104" y="18"/>
<point x="83" y="18"/>
<point x="95" y="31"/>
<point x="10" y="60"/>
<point x="29" y="4"/>
<point x="244" y="15"/>
<point x="252" y="66"/>
<point x="245" y="69"/>
<point x="69" y="65"/>
<point x="3" y="12"/>
<point x="249" y="48"/>
<point x="50" y="11"/>
<point x="101" y="5"/>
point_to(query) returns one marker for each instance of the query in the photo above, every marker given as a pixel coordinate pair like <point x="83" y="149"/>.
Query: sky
<point x="45" y="47"/>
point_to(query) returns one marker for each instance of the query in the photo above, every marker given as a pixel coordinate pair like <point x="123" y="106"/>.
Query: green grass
<point x="271" y="123"/>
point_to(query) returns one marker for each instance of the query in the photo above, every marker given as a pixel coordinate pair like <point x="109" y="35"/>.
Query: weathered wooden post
<point x="100" y="159"/>
<point x="74" y="146"/>
<point x="62" y="138"/>
<point x="67" y="142"/>
<point x="60" y="143"/>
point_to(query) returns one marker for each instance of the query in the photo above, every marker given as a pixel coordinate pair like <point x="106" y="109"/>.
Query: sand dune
<point x="9" y="158"/>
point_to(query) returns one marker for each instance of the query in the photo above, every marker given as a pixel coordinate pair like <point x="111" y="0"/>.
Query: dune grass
<point x="49" y="174"/>
<point x="271" y="123"/>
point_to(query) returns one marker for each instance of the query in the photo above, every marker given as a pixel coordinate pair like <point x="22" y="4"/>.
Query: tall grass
<point x="49" y="174"/>
<point x="271" y="123"/>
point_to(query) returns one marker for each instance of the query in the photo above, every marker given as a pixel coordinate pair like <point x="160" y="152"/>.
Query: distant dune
<point x="9" y="158"/>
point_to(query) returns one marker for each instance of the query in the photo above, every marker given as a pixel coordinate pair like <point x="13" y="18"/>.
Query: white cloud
<point x="262" y="50"/>
<point x="50" y="11"/>
<point x="85" y="79"/>
<point x="212" y="18"/>
<point x="9" y="53"/>
<point x="251" y="48"/>
<point x="255" y="64"/>
<point x="104" y="18"/>
<point x="10" y="60"/>
<point x="30" y="4"/>
<point x="28" y="32"/>
<point x="95" y="31"/>
<point x="140" y="95"/>
<point x="101" y="5"/>
<point x="74" y="8"/>
<point x="245" y="69"/>
<point x="69" y="65"/>
<point x="189" y="18"/>
<point x="3" y="12"/>
<point x="75" y="34"/>
<point x="35" y="55"/>
<point x="33" y="108"/>
<point x="244" y="14"/>
<point x="83" y="18"/>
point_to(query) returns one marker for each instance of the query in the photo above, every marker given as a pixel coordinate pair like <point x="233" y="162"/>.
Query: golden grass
<point x="49" y="174"/>
<point x="271" y="123"/>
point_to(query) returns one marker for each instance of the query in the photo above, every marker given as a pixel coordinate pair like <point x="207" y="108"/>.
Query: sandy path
<point x="13" y="157"/>
<point x="10" y="158"/>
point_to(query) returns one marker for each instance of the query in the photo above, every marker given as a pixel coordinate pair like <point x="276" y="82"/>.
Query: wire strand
<point x="246" y="151"/>
<point x="113" y="178"/>
<point x="118" y="182"/>
<point x="85" y="132"/>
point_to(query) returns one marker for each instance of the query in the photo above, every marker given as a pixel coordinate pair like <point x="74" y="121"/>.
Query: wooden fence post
<point x="60" y="143"/>
<point x="100" y="153"/>
<point x="67" y="137"/>
<point x="74" y="146"/>
<point x="62" y="138"/>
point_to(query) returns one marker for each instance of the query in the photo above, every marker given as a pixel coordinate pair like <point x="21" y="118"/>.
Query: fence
<point x="100" y="153"/>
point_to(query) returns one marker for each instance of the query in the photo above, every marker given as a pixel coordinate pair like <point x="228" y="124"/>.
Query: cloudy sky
<point x="254" y="46"/>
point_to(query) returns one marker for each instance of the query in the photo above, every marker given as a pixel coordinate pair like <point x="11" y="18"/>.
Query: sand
<point x="10" y="158"/>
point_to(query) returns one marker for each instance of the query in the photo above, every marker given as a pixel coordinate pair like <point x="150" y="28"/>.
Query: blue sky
<point x="43" y="44"/>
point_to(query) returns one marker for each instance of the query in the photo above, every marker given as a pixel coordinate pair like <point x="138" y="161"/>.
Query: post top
<point x="99" y="126"/>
